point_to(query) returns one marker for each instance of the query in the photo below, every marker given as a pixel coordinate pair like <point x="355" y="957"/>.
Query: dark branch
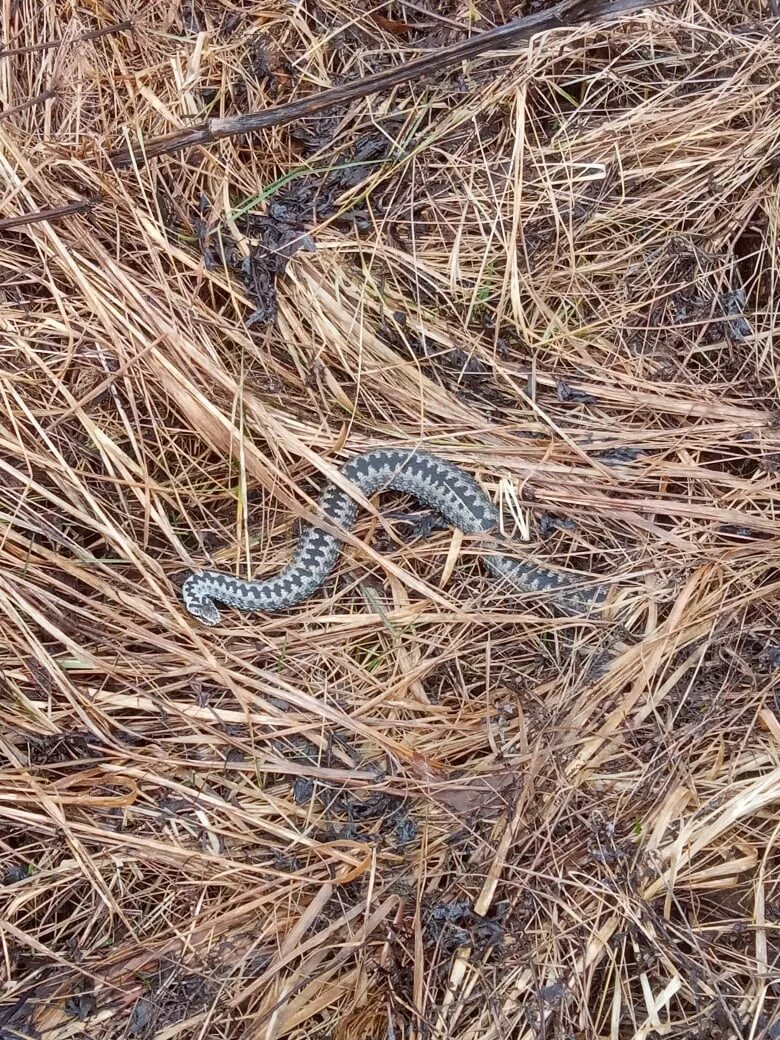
<point x="39" y="99"/>
<point x="48" y="45"/>
<point x="566" y="13"/>
<point x="81" y="206"/>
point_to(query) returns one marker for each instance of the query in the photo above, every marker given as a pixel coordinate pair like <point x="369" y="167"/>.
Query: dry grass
<point x="407" y="808"/>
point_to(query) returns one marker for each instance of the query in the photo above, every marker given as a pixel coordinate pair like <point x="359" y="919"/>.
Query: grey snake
<point x="444" y="487"/>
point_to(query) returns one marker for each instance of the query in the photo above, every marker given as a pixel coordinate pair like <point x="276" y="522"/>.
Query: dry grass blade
<point x="408" y="807"/>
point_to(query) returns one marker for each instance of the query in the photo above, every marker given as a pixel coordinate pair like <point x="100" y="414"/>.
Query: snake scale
<point x="444" y="487"/>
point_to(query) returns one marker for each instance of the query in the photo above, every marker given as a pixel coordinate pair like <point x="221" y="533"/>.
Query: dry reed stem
<point x="408" y="807"/>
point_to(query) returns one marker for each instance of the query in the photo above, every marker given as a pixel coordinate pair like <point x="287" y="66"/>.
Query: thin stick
<point x="80" y="206"/>
<point x="39" y="99"/>
<point x="566" y="13"/>
<point x="47" y="45"/>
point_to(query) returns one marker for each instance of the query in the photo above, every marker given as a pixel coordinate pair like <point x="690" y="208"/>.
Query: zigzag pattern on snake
<point x="444" y="487"/>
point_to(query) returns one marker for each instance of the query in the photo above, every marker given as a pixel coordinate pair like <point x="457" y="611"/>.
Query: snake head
<point x="199" y="604"/>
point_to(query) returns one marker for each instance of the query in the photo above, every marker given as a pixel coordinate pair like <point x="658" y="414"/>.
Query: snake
<point x="444" y="487"/>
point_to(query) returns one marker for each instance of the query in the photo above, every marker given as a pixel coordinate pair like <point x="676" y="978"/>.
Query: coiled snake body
<point x="441" y="485"/>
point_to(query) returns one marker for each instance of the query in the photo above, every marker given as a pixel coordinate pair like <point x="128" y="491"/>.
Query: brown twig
<point x="80" y="206"/>
<point x="568" y="12"/>
<point x="39" y="99"/>
<point x="47" y="45"/>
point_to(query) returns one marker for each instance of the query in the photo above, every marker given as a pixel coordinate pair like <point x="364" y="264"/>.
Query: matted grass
<point x="408" y="808"/>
